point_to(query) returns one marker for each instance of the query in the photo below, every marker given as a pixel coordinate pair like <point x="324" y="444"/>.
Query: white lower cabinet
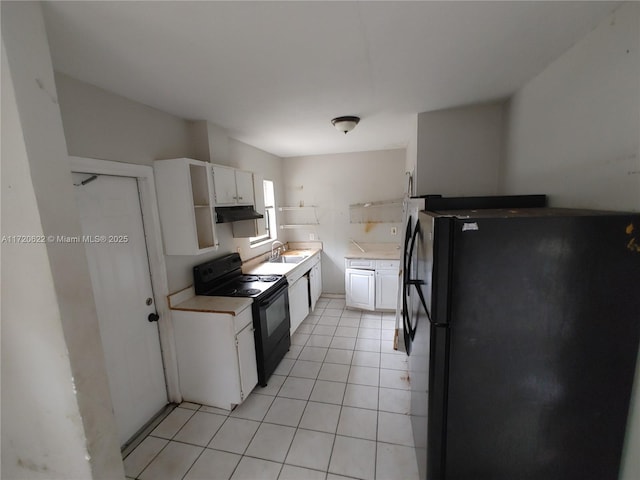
<point x="371" y="284"/>
<point x="387" y="272"/>
<point x="298" y="302"/>
<point x="315" y="284"/>
<point x="305" y="287"/>
<point x="216" y="357"/>
<point x="245" y="342"/>
<point x="360" y="288"/>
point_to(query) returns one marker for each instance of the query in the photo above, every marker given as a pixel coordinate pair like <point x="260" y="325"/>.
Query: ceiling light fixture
<point x="345" y="124"/>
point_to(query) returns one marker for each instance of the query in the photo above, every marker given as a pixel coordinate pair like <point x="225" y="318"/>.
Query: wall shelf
<point x="299" y="217"/>
<point x="389" y="211"/>
<point x="291" y="226"/>
<point x="284" y="209"/>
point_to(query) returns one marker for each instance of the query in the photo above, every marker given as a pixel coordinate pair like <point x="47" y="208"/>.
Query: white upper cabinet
<point x="224" y="182"/>
<point x="232" y="186"/>
<point x="244" y="187"/>
<point x="185" y="191"/>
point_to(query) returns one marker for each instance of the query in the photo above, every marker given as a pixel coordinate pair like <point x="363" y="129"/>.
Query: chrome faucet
<point x="278" y="250"/>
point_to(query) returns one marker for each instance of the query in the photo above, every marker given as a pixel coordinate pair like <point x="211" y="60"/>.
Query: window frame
<point x="270" y="218"/>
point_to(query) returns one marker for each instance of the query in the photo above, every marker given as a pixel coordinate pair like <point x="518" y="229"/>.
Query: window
<point x="271" y="229"/>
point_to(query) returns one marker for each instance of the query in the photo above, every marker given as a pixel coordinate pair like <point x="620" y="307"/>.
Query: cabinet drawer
<point x="360" y="263"/>
<point x="387" y="264"/>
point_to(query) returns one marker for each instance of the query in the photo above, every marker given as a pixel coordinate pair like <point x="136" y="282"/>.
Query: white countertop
<point x="187" y="300"/>
<point x="229" y="305"/>
<point x="375" y="251"/>
<point x="268" y="268"/>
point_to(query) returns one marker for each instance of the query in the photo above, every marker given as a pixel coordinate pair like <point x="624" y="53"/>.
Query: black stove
<point x="223" y="277"/>
<point x="246" y="286"/>
<point x="270" y="309"/>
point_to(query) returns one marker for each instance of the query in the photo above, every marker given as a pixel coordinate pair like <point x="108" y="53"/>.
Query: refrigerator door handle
<point x="417" y="284"/>
<point x="406" y="321"/>
<point x="411" y="329"/>
<point x="406" y="252"/>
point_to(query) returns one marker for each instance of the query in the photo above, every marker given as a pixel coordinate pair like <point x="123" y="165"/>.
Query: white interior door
<point x="111" y="216"/>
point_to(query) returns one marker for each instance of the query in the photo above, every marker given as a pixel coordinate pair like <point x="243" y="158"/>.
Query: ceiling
<point x="274" y="74"/>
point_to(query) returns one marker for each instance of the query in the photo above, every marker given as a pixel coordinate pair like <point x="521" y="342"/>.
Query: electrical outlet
<point x="394" y="230"/>
<point x="312" y="236"/>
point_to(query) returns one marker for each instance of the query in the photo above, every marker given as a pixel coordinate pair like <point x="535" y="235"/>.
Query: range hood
<point x="236" y="214"/>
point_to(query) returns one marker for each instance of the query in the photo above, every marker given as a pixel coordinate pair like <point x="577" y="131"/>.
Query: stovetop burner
<point x="268" y="278"/>
<point x="248" y="291"/>
<point x="249" y="278"/>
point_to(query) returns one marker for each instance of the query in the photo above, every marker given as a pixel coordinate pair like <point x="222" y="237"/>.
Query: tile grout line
<point x="208" y="442"/>
<point x="203" y="448"/>
<point x="315" y="379"/>
<point x="168" y="440"/>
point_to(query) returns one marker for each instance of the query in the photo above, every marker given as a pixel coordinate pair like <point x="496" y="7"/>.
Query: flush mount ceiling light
<point x="345" y="124"/>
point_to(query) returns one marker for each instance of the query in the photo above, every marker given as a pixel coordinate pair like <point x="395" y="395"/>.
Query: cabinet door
<point x="298" y="302"/>
<point x="315" y="277"/>
<point x="184" y="193"/>
<point x="207" y="358"/>
<point x="224" y="182"/>
<point x="247" y="360"/>
<point x="244" y="187"/>
<point x="360" y="287"/>
<point x="386" y="289"/>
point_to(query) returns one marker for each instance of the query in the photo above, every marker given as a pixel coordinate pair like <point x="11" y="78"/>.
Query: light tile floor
<point x="335" y="408"/>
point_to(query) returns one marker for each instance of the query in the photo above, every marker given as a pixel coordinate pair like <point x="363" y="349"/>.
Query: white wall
<point x="57" y="420"/>
<point x="332" y="183"/>
<point x="100" y="124"/>
<point x="460" y="150"/>
<point x="574" y="131"/>
<point x="37" y="383"/>
<point x="412" y="155"/>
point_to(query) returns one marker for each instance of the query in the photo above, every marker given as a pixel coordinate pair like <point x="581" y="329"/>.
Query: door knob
<point x="153" y="317"/>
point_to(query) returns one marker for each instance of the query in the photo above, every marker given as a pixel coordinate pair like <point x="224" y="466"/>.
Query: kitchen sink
<point x="288" y="259"/>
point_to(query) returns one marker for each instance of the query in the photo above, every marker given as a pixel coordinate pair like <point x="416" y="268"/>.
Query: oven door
<point x="272" y="324"/>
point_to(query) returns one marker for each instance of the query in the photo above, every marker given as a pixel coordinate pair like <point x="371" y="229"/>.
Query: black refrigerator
<point x="522" y="328"/>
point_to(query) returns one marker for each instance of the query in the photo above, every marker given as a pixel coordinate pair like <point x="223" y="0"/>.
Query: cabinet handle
<point x="239" y="198"/>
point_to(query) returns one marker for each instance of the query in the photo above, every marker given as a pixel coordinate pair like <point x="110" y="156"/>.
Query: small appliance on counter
<point x="223" y="277"/>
